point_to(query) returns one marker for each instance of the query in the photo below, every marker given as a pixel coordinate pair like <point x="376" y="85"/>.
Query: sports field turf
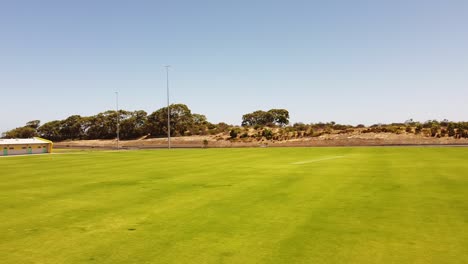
<point x="284" y="205"/>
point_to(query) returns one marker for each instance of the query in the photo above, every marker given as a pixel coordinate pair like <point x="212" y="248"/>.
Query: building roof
<point x="21" y="141"/>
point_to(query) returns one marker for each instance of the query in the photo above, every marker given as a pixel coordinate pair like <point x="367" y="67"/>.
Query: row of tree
<point x="136" y="124"/>
<point x="273" y="117"/>
<point x="431" y="128"/>
<point x="132" y="125"/>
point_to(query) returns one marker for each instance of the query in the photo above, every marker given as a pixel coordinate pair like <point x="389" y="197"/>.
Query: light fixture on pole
<point x="168" y="109"/>
<point x="118" y="118"/>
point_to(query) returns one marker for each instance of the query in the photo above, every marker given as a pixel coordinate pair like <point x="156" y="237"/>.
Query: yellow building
<point x="25" y="146"/>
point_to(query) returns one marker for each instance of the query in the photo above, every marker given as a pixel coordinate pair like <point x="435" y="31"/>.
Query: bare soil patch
<point x="367" y="139"/>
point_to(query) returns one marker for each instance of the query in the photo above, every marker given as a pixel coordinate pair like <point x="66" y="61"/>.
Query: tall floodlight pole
<point x="118" y="117"/>
<point x="168" y="109"/>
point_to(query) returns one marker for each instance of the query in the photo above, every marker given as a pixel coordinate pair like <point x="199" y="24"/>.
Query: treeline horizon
<point x="271" y="124"/>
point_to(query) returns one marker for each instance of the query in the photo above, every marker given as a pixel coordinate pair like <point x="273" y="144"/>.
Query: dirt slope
<point x="367" y="139"/>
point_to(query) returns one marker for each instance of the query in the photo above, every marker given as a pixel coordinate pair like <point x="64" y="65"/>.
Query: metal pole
<point x="118" y="117"/>
<point x="168" y="109"/>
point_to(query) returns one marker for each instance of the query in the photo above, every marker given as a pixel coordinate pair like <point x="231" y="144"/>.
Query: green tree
<point x="102" y="125"/>
<point x="233" y="134"/>
<point x="132" y="124"/>
<point x="72" y="128"/>
<point x="200" y="125"/>
<point x="418" y="129"/>
<point x="434" y="130"/>
<point x="258" y="118"/>
<point x="21" y="132"/>
<point x="180" y="120"/>
<point x="51" y="130"/>
<point x="267" y="133"/>
<point x="33" y="124"/>
<point x="280" y="116"/>
<point x="443" y="132"/>
<point x="222" y="127"/>
<point x="451" y="130"/>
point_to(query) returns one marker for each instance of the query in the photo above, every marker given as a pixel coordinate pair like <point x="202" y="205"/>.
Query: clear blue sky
<point x="345" y="61"/>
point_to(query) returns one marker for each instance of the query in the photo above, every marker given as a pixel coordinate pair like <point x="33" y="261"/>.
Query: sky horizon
<point x="352" y="62"/>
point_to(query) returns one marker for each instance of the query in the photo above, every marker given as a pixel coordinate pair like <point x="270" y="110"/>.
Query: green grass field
<point x="284" y="205"/>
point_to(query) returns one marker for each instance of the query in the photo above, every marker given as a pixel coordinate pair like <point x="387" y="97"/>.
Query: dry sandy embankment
<point x="368" y="139"/>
